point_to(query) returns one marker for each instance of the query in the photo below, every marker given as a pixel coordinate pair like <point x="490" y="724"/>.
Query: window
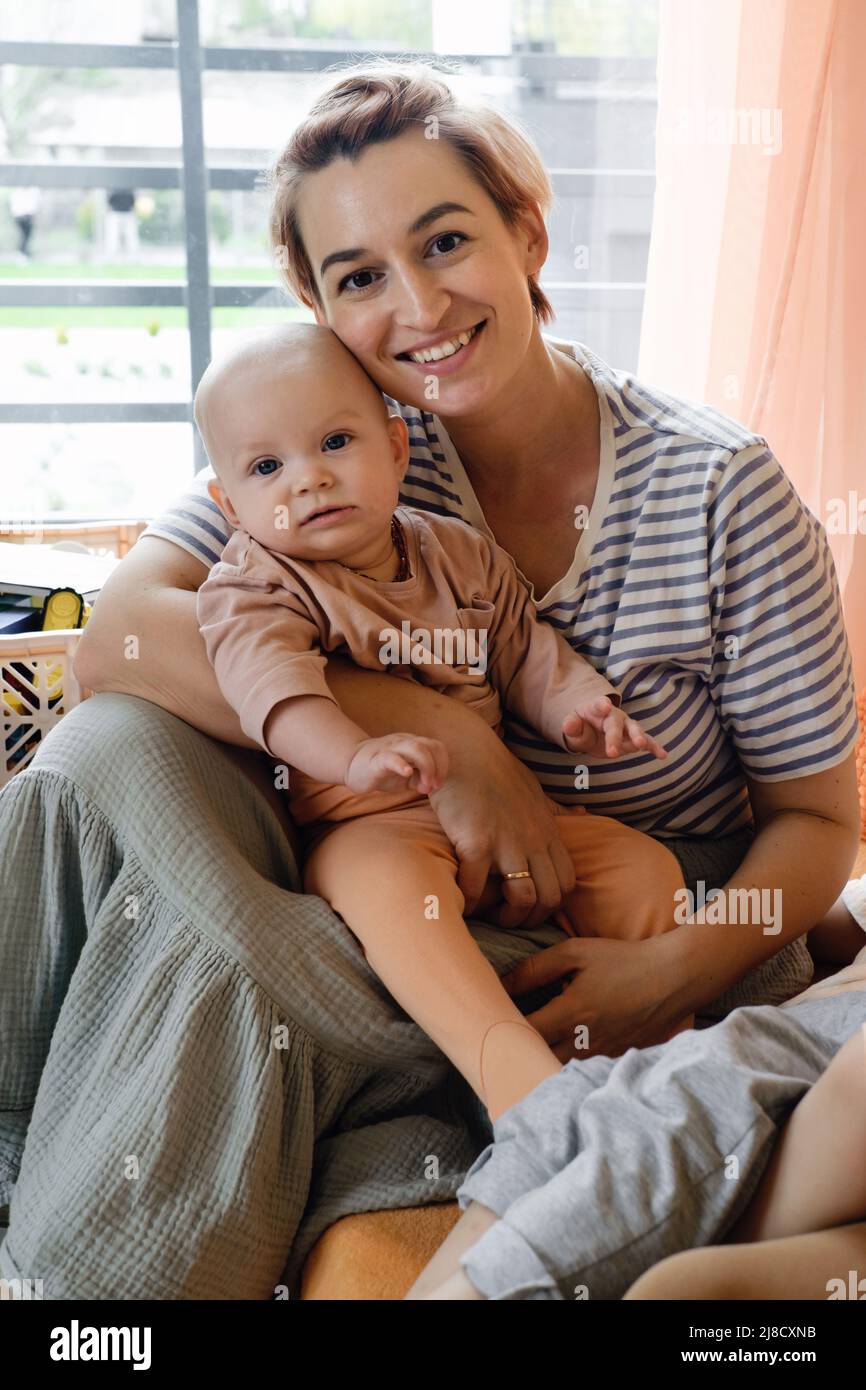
<point x="128" y="162"/>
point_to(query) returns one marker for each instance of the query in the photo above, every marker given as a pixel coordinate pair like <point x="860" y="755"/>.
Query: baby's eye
<point x="264" y="463"/>
<point x="331" y="437"/>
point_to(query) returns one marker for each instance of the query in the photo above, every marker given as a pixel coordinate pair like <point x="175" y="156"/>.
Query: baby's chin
<point x="281" y="543"/>
<point x="334" y="543"/>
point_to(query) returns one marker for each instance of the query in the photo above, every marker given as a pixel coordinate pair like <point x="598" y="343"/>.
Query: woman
<point x="661" y="538"/>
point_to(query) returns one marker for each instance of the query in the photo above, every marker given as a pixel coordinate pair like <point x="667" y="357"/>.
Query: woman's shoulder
<point x="421" y="425"/>
<point x="193" y="521"/>
<point x="640" y="407"/>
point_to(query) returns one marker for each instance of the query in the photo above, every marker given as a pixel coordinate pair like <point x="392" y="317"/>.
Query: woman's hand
<point x="499" y="821"/>
<point x="619" y="990"/>
<point x="491" y="807"/>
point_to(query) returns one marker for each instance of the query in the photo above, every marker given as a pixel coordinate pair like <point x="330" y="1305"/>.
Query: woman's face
<point x="409" y="273"/>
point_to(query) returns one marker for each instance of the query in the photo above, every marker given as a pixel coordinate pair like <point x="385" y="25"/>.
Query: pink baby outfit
<point x="266" y="619"/>
<point x="382" y="860"/>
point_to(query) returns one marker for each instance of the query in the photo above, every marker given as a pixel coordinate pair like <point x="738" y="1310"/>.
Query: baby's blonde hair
<point x="260" y="344"/>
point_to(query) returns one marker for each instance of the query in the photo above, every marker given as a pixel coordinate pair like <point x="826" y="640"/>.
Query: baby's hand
<point x="398" y="760"/>
<point x="603" y="730"/>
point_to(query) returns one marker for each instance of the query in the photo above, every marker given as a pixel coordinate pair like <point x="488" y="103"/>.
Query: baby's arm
<point x="595" y="727"/>
<point x="263" y="644"/>
<point x="542" y="679"/>
<point x="315" y="736"/>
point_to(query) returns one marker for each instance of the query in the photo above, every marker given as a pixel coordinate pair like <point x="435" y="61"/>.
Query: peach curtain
<point x="756" y="285"/>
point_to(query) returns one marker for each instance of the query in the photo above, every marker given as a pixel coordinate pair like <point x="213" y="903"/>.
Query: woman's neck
<point x="547" y="413"/>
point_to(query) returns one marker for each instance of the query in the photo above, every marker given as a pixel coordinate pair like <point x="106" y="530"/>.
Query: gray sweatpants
<point x="615" y="1163"/>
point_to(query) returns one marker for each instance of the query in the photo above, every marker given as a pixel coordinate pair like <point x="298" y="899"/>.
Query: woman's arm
<point x="632" y="993"/>
<point x="143" y="639"/>
<point x="808" y="833"/>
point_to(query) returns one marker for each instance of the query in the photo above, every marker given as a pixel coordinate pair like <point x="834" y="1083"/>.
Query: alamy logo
<point x="722" y="907"/>
<point x="729" y="125"/>
<point x="77" y="1343"/>
<point x="855" y="1287"/>
<point x="420" y="646"/>
<point x="21" y="1289"/>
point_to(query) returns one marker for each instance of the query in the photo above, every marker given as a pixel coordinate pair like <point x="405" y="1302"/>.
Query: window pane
<point x="119" y="471"/>
<point x="580" y="78"/>
<point x="111" y="469"/>
<point x="94" y="355"/>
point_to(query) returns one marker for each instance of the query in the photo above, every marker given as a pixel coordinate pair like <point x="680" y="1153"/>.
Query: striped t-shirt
<point x="701" y="586"/>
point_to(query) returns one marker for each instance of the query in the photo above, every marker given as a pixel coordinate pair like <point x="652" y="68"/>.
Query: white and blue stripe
<point x="709" y="596"/>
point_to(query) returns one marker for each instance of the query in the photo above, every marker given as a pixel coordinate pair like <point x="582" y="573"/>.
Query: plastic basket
<point x="37" y="683"/>
<point x="37" y="687"/>
<point x="99" y="537"/>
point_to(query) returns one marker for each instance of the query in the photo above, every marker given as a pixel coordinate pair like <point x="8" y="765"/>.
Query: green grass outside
<point x="140" y="318"/>
<point x="48" y="270"/>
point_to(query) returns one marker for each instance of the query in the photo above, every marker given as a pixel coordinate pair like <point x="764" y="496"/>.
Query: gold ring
<point x="521" y="873"/>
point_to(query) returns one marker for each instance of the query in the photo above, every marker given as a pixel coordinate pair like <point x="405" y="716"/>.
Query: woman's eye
<point x="443" y="236"/>
<point x="332" y="437"/>
<point x="355" y="289"/>
<point x="449" y="236"/>
<point x="265" y="463"/>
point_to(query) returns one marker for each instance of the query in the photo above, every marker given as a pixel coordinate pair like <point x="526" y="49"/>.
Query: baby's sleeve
<point x="537" y="674"/>
<point x="262" y="642"/>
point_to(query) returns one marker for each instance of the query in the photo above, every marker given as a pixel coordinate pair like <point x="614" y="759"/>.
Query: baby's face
<point x="291" y="436"/>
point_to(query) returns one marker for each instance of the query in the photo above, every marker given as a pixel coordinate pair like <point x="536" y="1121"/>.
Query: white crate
<point x="36" y="692"/>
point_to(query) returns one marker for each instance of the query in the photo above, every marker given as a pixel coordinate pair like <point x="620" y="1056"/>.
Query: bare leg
<point x="816" y="1177"/>
<point x="781" y="1247"/>
<point x="811" y="1184"/>
<point x="444" y="1266"/>
<point x="791" y="1240"/>
<point x="609" y="859"/>
<point x="796" y="1267"/>
<point x="837" y="938"/>
<point x="392" y="878"/>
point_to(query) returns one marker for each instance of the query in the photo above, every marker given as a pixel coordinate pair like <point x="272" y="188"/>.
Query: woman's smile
<point x="457" y="353"/>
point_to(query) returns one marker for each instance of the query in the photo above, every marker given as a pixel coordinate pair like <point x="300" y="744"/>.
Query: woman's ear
<point x="535" y="236"/>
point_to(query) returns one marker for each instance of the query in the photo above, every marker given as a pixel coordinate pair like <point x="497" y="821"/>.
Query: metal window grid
<point x="194" y="177"/>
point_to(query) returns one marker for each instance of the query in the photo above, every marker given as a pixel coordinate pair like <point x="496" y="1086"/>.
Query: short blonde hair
<point x="376" y="100"/>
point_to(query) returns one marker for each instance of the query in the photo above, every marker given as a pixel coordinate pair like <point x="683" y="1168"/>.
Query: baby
<point x="323" y="559"/>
